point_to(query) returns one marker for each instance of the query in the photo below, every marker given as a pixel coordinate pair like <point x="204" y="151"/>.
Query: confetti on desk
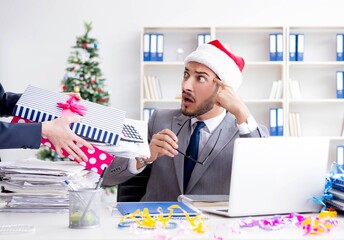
<point x="322" y="223"/>
<point x="143" y="220"/>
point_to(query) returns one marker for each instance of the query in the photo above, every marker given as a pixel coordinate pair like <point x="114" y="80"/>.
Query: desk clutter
<point x="33" y="185"/>
<point x="165" y="226"/>
<point x="334" y="190"/>
<point x="107" y="127"/>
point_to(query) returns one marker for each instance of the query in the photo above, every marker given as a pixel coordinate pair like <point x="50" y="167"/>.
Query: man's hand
<point x="228" y="99"/>
<point x="61" y="136"/>
<point x="163" y="143"/>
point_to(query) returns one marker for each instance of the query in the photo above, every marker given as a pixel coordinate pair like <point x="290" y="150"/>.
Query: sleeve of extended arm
<point x="8" y="101"/>
<point x="20" y="135"/>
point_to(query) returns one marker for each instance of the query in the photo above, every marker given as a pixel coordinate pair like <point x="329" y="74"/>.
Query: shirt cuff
<point x="132" y="166"/>
<point x="249" y="126"/>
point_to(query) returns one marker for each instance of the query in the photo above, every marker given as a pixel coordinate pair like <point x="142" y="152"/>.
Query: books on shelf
<point x="294" y="89"/>
<point x="153" y="47"/>
<point x="294" y="124"/>
<point x="276" y="90"/>
<point x="152" y="87"/>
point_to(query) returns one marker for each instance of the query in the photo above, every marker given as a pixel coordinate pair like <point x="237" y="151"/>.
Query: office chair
<point x="134" y="189"/>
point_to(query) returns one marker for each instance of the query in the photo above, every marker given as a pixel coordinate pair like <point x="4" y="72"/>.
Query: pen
<point x="70" y="185"/>
<point x="101" y="179"/>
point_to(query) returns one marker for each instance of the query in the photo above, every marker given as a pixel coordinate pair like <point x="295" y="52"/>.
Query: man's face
<point x="198" y="89"/>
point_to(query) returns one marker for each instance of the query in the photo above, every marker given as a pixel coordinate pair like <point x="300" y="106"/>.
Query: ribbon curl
<point x="144" y="220"/>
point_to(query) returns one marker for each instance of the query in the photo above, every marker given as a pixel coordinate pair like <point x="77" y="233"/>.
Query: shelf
<point x="321" y="114"/>
<point x="317" y="101"/>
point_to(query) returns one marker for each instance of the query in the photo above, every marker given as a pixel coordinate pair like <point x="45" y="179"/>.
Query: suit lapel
<point x="183" y="141"/>
<point x="228" y="131"/>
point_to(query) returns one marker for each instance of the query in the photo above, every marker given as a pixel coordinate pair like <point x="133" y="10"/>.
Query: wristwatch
<point x="142" y="161"/>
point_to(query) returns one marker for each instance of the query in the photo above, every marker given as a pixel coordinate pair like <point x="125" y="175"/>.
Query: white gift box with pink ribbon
<point x="99" y="123"/>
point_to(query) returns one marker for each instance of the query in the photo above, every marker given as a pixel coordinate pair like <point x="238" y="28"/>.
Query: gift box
<point x="98" y="160"/>
<point x="99" y="123"/>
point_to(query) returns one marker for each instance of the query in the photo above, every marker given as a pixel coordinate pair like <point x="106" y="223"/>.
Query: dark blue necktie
<point x="192" y="151"/>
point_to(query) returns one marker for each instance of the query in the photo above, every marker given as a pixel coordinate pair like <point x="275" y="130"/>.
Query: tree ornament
<point x="76" y="89"/>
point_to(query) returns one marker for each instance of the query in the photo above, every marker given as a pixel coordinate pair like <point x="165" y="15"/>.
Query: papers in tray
<point x="126" y="208"/>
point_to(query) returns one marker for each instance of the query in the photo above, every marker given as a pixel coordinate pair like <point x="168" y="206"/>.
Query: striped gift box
<point x="100" y="123"/>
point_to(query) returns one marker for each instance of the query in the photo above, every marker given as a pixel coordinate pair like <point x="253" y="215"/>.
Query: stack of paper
<point x="129" y="149"/>
<point x="33" y="185"/>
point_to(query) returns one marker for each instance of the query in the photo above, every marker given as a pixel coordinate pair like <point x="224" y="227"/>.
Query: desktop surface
<point x="55" y="226"/>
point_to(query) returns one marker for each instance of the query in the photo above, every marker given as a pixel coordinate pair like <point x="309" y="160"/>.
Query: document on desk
<point x="157" y="208"/>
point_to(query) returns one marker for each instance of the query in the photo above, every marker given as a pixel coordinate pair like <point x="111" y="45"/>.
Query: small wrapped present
<point x="99" y="123"/>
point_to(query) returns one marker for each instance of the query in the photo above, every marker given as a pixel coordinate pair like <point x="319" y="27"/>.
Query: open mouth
<point x="187" y="98"/>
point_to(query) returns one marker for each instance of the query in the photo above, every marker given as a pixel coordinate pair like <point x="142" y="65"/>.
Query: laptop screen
<point x="277" y="175"/>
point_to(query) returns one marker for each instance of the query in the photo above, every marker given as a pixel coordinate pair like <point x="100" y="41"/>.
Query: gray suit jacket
<point x="166" y="178"/>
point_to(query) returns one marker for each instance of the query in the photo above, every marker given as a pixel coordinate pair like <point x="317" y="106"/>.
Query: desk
<point x="55" y="226"/>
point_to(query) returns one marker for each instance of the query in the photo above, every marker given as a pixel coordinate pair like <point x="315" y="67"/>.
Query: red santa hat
<point x="225" y="64"/>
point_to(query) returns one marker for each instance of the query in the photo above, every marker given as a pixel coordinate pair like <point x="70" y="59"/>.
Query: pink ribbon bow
<point x="71" y="106"/>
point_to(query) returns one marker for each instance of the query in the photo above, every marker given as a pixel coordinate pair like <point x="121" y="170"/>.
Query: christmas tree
<point x="83" y="76"/>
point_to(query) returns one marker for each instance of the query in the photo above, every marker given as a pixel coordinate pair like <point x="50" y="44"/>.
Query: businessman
<point x="28" y="135"/>
<point x="192" y="147"/>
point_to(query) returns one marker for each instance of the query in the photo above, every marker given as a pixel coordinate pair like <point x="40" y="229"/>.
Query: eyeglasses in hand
<point x="191" y="158"/>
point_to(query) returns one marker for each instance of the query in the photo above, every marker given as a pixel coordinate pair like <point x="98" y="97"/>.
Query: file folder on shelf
<point x="153" y="47"/>
<point x="292" y="47"/>
<point x="200" y="39"/>
<point x="339" y="54"/>
<point x="146" y="44"/>
<point x="280" y="123"/>
<point x="273" y="121"/>
<point x="339" y="84"/>
<point x="273" y="47"/>
<point x="203" y="38"/>
<point x="279" y="47"/>
<point x="160" y="47"/>
<point x="300" y="42"/>
<point x="206" y="38"/>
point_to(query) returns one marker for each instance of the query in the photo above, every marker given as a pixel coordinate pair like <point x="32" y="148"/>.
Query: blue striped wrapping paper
<point x="100" y="123"/>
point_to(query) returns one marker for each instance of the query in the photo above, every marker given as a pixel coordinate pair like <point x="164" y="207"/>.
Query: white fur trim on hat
<point x="219" y="62"/>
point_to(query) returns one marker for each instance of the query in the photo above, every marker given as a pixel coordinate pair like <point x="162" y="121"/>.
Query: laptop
<point x="276" y="175"/>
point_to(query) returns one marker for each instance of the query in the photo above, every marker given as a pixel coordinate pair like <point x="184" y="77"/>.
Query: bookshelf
<point x="321" y="113"/>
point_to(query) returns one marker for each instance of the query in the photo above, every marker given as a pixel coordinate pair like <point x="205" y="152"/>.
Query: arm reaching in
<point x="60" y="134"/>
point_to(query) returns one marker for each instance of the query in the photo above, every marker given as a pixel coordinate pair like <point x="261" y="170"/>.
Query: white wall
<point x="36" y="35"/>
